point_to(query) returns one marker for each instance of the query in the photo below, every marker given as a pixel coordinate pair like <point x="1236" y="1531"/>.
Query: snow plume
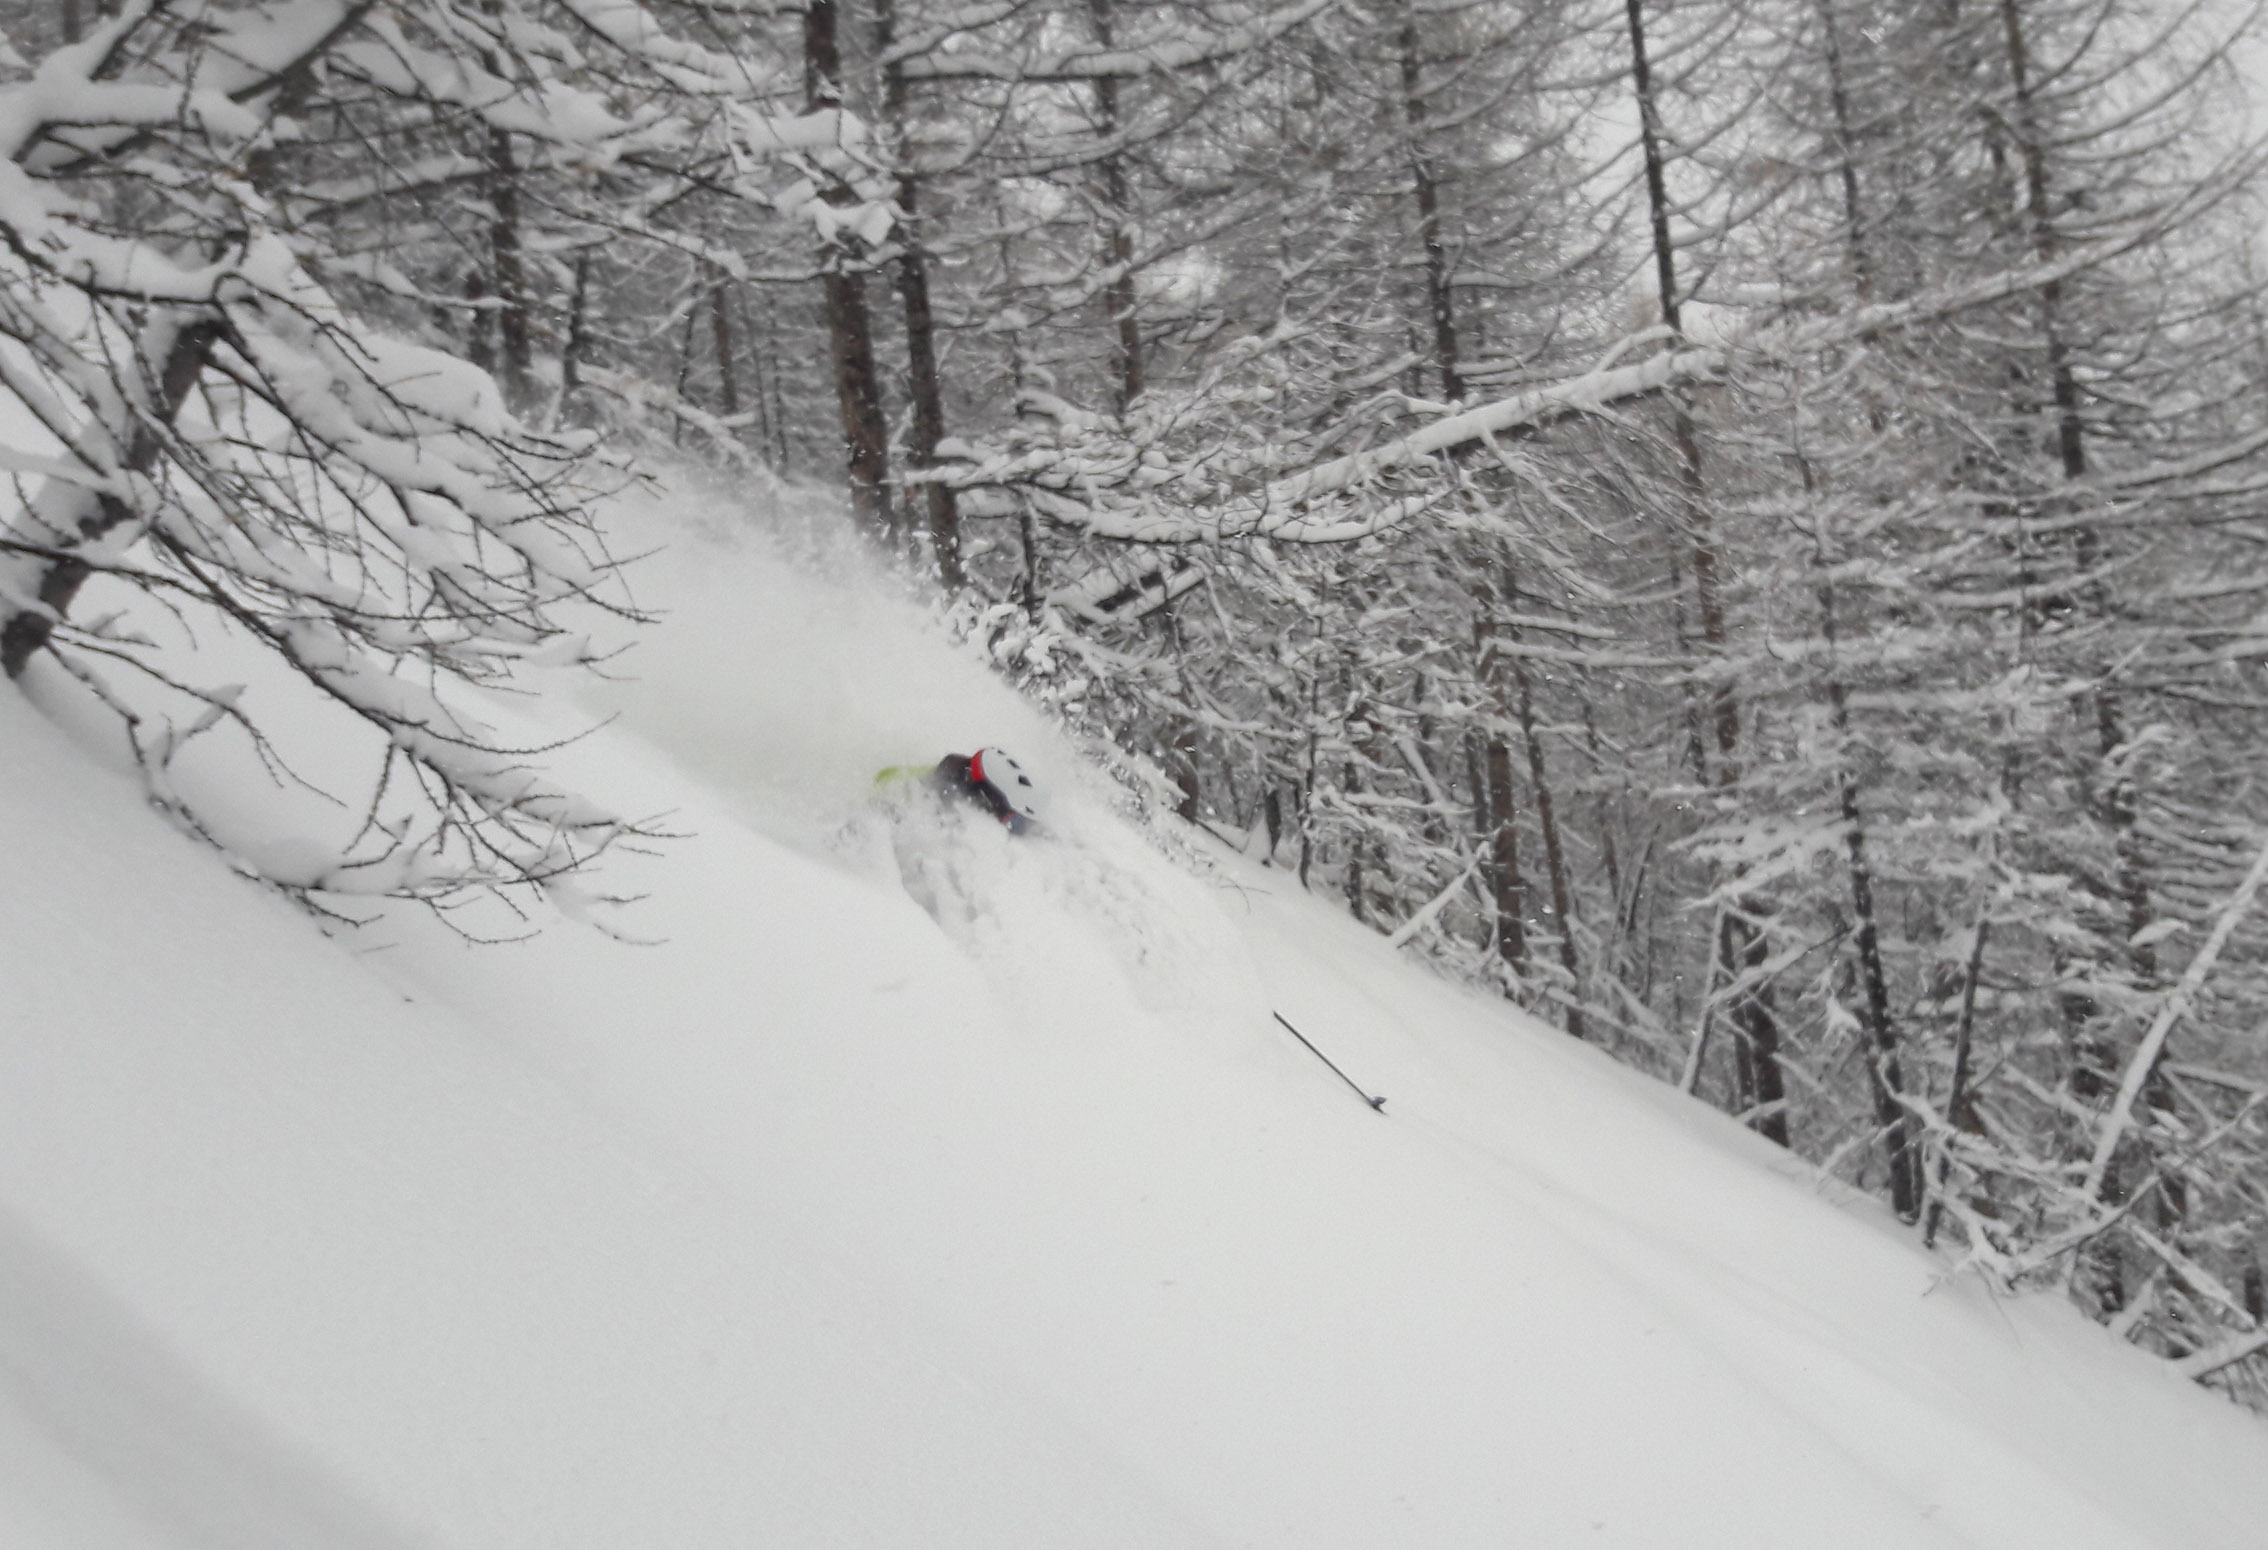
<point x="812" y="671"/>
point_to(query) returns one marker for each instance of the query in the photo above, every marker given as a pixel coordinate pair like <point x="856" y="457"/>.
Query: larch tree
<point x="204" y="194"/>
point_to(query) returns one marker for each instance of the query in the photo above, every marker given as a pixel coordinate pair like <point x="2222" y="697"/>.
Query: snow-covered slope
<point x="828" y="1219"/>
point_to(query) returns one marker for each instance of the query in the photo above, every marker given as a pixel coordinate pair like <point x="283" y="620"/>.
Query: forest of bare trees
<point x="1735" y="524"/>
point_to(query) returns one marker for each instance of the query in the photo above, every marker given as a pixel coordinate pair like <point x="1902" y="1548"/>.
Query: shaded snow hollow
<point x="832" y="1222"/>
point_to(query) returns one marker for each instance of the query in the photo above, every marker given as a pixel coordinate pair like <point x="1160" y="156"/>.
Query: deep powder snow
<point x="826" y="1218"/>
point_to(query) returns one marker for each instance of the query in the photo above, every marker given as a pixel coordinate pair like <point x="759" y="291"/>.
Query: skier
<point x="989" y="778"/>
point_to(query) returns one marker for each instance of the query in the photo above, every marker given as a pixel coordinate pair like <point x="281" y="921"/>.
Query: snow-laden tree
<point x="1995" y="555"/>
<point x="222" y="223"/>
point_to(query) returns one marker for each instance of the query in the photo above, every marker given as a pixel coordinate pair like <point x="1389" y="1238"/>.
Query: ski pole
<point x="1377" y="1103"/>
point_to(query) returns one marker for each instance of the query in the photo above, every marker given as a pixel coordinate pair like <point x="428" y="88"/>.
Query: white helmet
<point x="1007" y="789"/>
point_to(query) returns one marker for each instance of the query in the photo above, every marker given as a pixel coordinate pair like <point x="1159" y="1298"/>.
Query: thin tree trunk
<point x="507" y="262"/>
<point x="1884" y="1067"/>
<point x="1350" y="782"/>
<point x="1185" y="742"/>
<point x="1185" y="773"/>
<point x="775" y="376"/>
<point x="1555" y="863"/>
<point x="2119" y="796"/>
<point x="1741" y="946"/>
<point x="763" y="421"/>
<point x="1436" y="825"/>
<point x="858" y="400"/>
<point x="1425" y="188"/>
<point x="1306" y="799"/>
<point x="1724" y="708"/>
<point x="923" y="385"/>
<point x="1900" y="1139"/>
<point x="1623" y="903"/>
<point x="1744" y="951"/>
<point x="26" y="632"/>
<point x="1119" y="297"/>
<point x="1846" y="165"/>
<point x="925" y="388"/>
<point x="1477" y="783"/>
<point x="1508" y="890"/>
<point x="684" y="368"/>
<point x="578" y="333"/>
<point x="720" y="336"/>
<point x="480" y="320"/>
<point x="1959" y="1107"/>
<point x="850" y="336"/>
<point x="2120" y="802"/>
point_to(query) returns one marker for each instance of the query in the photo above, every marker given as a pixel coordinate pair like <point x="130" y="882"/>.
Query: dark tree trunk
<point x="514" y="349"/>
<point x="1186" y="770"/>
<point x="1350" y="782"/>
<point x="1602" y="814"/>
<point x="1960" y="1107"/>
<point x="1185" y="776"/>
<point x="1425" y="188"/>
<point x="1763" y="1094"/>
<point x="1741" y="946"/>
<point x="480" y="320"/>
<point x="850" y="335"/>
<point x="858" y="400"/>
<point x="923" y="384"/>
<point x="761" y="418"/>
<point x="1846" y="164"/>
<point x="1507" y="889"/>
<point x="2118" y="796"/>
<point x="26" y="632"/>
<point x="1436" y="825"/>
<point x="578" y="333"/>
<point x="926" y="389"/>
<point x="1119" y="296"/>
<point x="720" y="338"/>
<point x="1555" y="862"/>
<point x="684" y="369"/>
<point x="1901" y="1140"/>
<point x="1888" y="1082"/>
<point x="770" y="380"/>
